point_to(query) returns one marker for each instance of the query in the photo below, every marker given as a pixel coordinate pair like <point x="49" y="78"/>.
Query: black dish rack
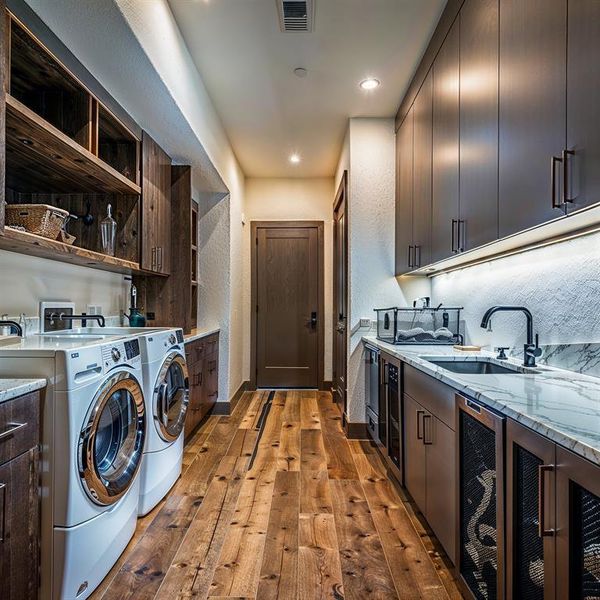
<point x="413" y="326"/>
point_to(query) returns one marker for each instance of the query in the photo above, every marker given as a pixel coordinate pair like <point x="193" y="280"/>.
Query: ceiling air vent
<point x="296" y="15"/>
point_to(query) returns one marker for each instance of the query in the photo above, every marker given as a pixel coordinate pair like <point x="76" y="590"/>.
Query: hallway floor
<point x="312" y="516"/>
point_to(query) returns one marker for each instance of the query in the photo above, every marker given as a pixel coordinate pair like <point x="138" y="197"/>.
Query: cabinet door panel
<point x="445" y="145"/>
<point x="404" y="194"/>
<point x="422" y="149"/>
<point x="441" y="482"/>
<point x="156" y="207"/>
<point x="530" y="573"/>
<point x="532" y="109"/>
<point x="19" y="548"/>
<point x="583" y="108"/>
<point x="479" y="122"/>
<point x="414" y="451"/>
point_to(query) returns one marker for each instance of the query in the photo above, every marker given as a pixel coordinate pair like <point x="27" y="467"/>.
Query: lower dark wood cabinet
<point x="203" y="371"/>
<point x="19" y="498"/>
<point x="429" y="471"/>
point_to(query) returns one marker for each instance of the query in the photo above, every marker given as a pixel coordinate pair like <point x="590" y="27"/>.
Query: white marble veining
<point x="13" y="388"/>
<point x="561" y="405"/>
<point x="198" y="333"/>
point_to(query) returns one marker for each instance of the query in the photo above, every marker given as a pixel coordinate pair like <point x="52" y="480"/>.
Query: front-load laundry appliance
<point x="94" y="428"/>
<point x="166" y="389"/>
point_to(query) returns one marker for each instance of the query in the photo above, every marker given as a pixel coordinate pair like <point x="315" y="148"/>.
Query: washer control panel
<point x="121" y="352"/>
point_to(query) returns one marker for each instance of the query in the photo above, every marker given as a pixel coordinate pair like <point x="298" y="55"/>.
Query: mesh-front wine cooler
<point x="480" y="552"/>
<point x="578" y="527"/>
<point x="530" y="514"/>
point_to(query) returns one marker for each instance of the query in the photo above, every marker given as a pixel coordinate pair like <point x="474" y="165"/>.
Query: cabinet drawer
<point x="194" y="351"/>
<point x="436" y="397"/>
<point x="19" y="426"/>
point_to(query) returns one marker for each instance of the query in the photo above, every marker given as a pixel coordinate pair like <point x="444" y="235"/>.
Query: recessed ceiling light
<point x="294" y="158"/>
<point x="369" y="84"/>
<point x="300" y="72"/>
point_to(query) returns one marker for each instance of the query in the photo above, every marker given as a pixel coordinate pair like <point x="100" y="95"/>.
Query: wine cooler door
<point x="530" y="514"/>
<point x="578" y="527"/>
<point x="480" y="551"/>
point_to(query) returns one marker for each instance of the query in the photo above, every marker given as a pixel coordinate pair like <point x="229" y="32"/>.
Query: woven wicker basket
<point x="41" y="219"/>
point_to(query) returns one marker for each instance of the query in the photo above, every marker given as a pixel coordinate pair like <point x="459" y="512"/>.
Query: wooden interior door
<point x="340" y="295"/>
<point x="287" y="277"/>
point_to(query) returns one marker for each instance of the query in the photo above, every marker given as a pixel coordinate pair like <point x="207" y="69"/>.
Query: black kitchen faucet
<point x="531" y="349"/>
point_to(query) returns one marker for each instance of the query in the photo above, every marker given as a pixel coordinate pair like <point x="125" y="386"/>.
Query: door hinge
<point x="257" y="308"/>
<point x="257" y="241"/>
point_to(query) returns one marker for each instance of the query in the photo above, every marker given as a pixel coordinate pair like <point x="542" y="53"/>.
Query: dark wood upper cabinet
<point x="445" y="208"/>
<point x="531" y="110"/>
<point x="422" y="140"/>
<point x="156" y="207"/>
<point x="583" y="108"/>
<point x="404" y="195"/>
<point x="478" y="122"/>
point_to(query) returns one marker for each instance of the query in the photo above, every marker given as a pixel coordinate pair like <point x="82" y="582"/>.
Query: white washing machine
<point x="94" y="429"/>
<point x="166" y="389"/>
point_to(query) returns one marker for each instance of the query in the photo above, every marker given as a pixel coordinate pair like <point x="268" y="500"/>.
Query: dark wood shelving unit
<point x="40" y="158"/>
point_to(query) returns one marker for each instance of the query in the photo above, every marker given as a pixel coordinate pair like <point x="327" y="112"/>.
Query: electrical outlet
<point x="94" y="309"/>
<point x="365" y="323"/>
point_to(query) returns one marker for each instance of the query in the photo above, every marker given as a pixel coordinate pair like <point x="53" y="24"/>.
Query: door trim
<point x="340" y="196"/>
<point x="319" y="226"/>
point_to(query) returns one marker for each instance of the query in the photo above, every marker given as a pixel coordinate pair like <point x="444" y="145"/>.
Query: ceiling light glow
<point x="295" y="158"/>
<point x="370" y="84"/>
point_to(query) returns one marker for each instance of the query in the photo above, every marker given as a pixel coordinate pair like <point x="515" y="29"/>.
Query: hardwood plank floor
<point x="308" y="515"/>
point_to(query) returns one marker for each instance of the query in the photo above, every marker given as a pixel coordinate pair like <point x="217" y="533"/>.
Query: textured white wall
<point x="282" y="200"/>
<point x="560" y="284"/>
<point x="25" y="280"/>
<point x="368" y="153"/>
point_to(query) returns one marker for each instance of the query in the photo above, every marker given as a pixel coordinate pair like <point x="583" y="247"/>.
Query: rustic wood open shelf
<point x="34" y="245"/>
<point x="41" y="158"/>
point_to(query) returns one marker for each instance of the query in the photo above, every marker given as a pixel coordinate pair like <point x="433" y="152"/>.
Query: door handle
<point x="553" y="162"/>
<point x="542" y="531"/>
<point x="427" y="442"/>
<point x="454" y="222"/>
<point x="420" y="413"/>
<point x="566" y="197"/>
<point x="313" y="319"/>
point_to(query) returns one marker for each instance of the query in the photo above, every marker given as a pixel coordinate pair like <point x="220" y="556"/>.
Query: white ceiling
<point x="247" y="65"/>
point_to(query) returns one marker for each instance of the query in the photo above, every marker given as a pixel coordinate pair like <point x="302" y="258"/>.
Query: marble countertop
<point x="13" y="388"/>
<point x="198" y="333"/>
<point x="561" y="405"/>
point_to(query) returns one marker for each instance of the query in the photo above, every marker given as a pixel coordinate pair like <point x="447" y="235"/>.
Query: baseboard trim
<point x="355" y="431"/>
<point x="226" y="408"/>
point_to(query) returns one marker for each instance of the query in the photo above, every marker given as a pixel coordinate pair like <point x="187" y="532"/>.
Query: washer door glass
<point x="112" y="440"/>
<point x="171" y="397"/>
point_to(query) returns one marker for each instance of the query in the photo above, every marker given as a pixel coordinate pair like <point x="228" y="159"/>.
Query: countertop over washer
<point x="13" y="388"/>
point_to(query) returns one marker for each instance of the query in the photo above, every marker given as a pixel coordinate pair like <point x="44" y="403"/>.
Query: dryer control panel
<point x="120" y="352"/>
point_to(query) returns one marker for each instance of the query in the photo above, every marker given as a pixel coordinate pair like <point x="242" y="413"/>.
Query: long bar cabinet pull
<point x="420" y="413"/>
<point x="410" y="265"/>
<point x="454" y="222"/>
<point x="542" y="531"/>
<point x="566" y="196"/>
<point x="417" y="256"/>
<point x="553" y="162"/>
<point x="427" y="442"/>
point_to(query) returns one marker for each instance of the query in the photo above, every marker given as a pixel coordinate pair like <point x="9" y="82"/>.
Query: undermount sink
<point x="477" y="366"/>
